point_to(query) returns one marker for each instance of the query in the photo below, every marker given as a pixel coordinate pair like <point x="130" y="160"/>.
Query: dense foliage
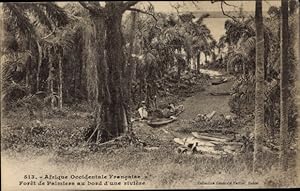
<point x="57" y="61"/>
<point x="241" y="58"/>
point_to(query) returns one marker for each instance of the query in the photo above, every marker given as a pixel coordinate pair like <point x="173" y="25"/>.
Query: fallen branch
<point x="197" y="135"/>
<point x="111" y="141"/>
<point x="210" y="115"/>
<point x="191" y="141"/>
<point x="92" y="135"/>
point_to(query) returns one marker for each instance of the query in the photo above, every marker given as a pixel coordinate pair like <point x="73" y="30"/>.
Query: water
<point x="216" y="26"/>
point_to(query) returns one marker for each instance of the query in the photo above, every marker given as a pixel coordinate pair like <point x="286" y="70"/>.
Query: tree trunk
<point x="60" y="88"/>
<point x="213" y="57"/>
<point x="297" y="47"/>
<point x="284" y="76"/>
<point x="198" y="62"/>
<point x="229" y="67"/>
<point x="244" y="69"/>
<point x="38" y="66"/>
<point x="102" y="69"/>
<point x="115" y="116"/>
<point x="131" y="63"/>
<point x="74" y="71"/>
<point x="259" y="89"/>
<point x="188" y="62"/>
<point x="97" y="53"/>
<point x="2" y="36"/>
<point x="79" y="77"/>
<point x="179" y="68"/>
<point x="27" y="75"/>
<point x="28" y="68"/>
<point x="50" y="77"/>
<point x="112" y="111"/>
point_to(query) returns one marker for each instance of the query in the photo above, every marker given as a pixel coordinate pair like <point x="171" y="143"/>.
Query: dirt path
<point x="200" y="103"/>
<point x="203" y="102"/>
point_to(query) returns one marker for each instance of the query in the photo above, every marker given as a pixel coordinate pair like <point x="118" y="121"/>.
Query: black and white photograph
<point x="127" y="95"/>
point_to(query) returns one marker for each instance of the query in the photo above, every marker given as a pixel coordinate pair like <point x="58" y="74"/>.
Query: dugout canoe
<point x="160" y="121"/>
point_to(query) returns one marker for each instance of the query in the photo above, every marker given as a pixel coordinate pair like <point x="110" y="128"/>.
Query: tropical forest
<point x="150" y="94"/>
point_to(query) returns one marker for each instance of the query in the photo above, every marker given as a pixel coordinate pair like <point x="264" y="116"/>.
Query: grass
<point x="161" y="168"/>
<point x="57" y="146"/>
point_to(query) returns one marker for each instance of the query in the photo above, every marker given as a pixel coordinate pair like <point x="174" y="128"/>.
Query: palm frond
<point x="7" y="90"/>
<point x="75" y="9"/>
<point x="40" y="16"/>
<point x="11" y="62"/>
<point x="201" y="18"/>
<point x="55" y="13"/>
<point x="186" y="17"/>
<point x="222" y="41"/>
<point x="246" y="46"/>
<point x="235" y="59"/>
<point x="64" y="37"/>
<point x="15" y="20"/>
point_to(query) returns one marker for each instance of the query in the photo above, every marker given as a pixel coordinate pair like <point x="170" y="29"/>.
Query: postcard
<point x="133" y="95"/>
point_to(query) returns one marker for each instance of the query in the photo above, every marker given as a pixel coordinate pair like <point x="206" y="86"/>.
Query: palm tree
<point x="203" y="41"/>
<point x="259" y="88"/>
<point x="59" y="43"/>
<point x="28" y="22"/>
<point x="213" y="46"/>
<point x="284" y="77"/>
<point x="298" y="69"/>
<point x="243" y="52"/>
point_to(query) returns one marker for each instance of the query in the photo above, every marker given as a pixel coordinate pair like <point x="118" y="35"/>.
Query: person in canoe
<point x="169" y="112"/>
<point x="164" y="116"/>
<point x="172" y="110"/>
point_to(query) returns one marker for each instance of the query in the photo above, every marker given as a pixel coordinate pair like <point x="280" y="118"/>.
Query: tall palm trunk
<point x="50" y="77"/>
<point x="213" y="57"/>
<point x="259" y="89"/>
<point x="284" y="76"/>
<point x="131" y="63"/>
<point x="40" y="57"/>
<point x="27" y="77"/>
<point x="244" y="68"/>
<point x="2" y="37"/>
<point x="60" y="87"/>
<point x="198" y="62"/>
<point x="28" y="67"/>
<point x="228" y="66"/>
<point x="297" y="47"/>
